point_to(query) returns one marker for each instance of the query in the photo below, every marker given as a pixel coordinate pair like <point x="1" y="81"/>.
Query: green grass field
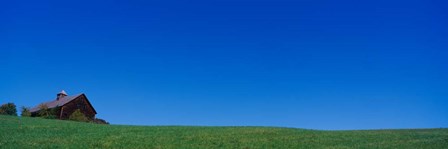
<point x="43" y="133"/>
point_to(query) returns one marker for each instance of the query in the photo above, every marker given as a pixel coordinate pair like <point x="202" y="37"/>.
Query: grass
<point x="43" y="133"/>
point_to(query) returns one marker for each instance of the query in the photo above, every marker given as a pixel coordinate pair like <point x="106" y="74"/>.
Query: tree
<point x="46" y="112"/>
<point x="26" y="112"/>
<point x="78" y="116"/>
<point x="43" y="110"/>
<point x="8" y="109"/>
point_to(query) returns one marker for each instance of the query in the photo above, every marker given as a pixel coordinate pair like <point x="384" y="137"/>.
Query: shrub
<point x="78" y="116"/>
<point x="8" y="109"/>
<point x="54" y="112"/>
<point x="26" y="112"/>
<point x="99" y="121"/>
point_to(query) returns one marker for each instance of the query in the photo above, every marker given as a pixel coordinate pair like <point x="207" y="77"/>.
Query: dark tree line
<point x="48" y="113"/>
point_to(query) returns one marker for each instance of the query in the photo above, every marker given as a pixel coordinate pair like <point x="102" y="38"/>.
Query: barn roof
<point x="55" y="103"/>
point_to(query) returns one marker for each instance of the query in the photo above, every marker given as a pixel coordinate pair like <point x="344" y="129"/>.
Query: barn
<point x="64" y="105"/>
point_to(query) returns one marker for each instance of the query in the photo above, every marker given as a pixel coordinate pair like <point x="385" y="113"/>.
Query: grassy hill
<point x="42" y="133"/>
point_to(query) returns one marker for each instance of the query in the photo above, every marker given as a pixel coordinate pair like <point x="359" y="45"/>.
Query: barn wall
<point x="78" y="103"/>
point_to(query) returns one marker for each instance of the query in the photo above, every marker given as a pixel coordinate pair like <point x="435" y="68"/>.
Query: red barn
<point x="64" y="105"/>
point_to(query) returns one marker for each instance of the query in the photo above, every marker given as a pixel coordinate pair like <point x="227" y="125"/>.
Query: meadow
<point x="29" y="132"/>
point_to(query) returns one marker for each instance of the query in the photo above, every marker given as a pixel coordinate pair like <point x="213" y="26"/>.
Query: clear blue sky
<point x="306" y="64"/>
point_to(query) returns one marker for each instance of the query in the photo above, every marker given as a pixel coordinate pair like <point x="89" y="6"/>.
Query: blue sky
<point x="306" y="64"/>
